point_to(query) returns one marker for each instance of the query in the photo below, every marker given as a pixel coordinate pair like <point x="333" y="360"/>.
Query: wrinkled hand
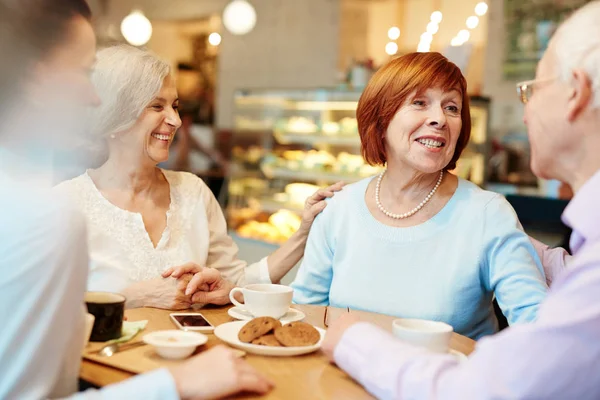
<point x="217" y="373"/>
<point x="207" y="285"/>
<point x="335" y="332"/>
<point x="160" y="293"/>
<point x="316" y="203"/>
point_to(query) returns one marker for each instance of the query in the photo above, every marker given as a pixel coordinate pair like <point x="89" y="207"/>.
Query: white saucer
<point x="228" y="333"/>
<point x="459" y="356"/>
<point x="292" y="315"/>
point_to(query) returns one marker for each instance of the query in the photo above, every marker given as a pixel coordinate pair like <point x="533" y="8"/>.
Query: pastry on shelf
<point x="331" y="128"/>
<point x="348" y="125"/>
<point x="279" y="227"/>
<point x="317" y="159"/>
<point x="299" y="192"/>
<point x="286" y="222"/>
<point x="251" y="124"/>
<point x="249" y="156"/>
<point x="301" y="125"/>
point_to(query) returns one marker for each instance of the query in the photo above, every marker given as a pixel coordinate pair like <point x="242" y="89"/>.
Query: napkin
<point x="129" y="330"/>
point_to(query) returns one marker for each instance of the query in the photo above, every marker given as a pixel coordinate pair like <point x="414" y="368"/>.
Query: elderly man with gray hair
<point x="558" y="356"/>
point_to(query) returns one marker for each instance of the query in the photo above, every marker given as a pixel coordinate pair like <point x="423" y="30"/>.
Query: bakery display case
<point x="288" y="143"/>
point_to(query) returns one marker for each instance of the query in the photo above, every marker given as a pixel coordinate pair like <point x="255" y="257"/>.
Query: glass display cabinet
<point x="288" y="143"/>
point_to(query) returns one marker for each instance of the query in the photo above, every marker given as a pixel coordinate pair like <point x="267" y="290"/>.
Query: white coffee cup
<point x="264" y="299"/>
<point x="433" y="335"/>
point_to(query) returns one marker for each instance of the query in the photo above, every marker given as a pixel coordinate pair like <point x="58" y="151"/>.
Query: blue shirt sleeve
<point x="314" y="277"/>
<point x="155" y="385"/>
<point x="514" y="271"/>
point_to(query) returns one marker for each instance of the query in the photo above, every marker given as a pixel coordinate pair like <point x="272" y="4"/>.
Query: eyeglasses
<point x="325" y="323"/>
<point x="525" y="89"/>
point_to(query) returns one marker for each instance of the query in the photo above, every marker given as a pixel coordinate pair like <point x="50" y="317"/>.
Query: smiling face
<point x="423" y="133"/>
<point x="155" y="128"/>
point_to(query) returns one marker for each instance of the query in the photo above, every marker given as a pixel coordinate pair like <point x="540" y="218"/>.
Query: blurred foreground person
<point x="49" y="50"/>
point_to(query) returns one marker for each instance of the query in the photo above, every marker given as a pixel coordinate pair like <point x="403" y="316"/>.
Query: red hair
<point x="390" y="87"/>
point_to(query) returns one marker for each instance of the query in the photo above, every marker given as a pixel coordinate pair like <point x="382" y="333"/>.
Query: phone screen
<point x="191" y="320"/>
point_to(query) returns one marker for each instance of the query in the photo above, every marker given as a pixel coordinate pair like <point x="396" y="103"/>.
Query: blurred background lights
<point x="472" y="22"/>
<point x="239" y="17"/>
<point x="481" y="8"/>
<point x="391" y="48"/>
<point x="214" y="39"/>
<point x="433" y="27"/>
<point x="136" y="28"/>
<point x="394" y="33"/>
<point x="436" y="16"/>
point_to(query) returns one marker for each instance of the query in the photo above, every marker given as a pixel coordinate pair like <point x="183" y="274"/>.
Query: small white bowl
<point x="174" y="344"/>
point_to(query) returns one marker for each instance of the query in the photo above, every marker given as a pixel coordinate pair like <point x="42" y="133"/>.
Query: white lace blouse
<point x="121" y="252"/>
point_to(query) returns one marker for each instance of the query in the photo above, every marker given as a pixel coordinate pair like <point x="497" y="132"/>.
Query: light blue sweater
<point x="445" y="269"/>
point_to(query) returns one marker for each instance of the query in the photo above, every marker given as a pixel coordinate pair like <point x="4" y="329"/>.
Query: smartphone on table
<point x="191" y="322"/>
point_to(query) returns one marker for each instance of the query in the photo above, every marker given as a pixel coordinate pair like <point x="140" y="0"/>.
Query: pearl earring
<point x="112" y="136"/>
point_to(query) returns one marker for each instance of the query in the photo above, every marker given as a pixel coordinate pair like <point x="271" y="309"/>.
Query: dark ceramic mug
<point x="108" y="309"/>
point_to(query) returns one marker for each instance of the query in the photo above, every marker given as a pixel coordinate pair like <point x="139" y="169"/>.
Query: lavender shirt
<point x="556" y="357"/>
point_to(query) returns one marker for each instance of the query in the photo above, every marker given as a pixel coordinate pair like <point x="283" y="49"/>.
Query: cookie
<point x="267" y="340"/>
<point x="256" y="328"/>
<point x="297" y="334"/>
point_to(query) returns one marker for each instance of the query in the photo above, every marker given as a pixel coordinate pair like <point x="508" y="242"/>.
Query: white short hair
<point x="577" y="46"/>
<point x="126" y="79"/>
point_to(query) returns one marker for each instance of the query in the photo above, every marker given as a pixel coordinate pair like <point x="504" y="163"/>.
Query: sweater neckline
<point x="412" y="233"/>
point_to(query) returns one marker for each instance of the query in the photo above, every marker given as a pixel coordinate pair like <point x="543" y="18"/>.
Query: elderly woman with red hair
<point x="416" y="241"/>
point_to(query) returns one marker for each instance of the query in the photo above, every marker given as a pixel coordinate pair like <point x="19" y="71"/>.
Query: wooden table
<point x="309" y="376"/>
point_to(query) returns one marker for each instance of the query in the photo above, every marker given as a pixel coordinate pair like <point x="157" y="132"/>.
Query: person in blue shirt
<point x="416" y="241"/>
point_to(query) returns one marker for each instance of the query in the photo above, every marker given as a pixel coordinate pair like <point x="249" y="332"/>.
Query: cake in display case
<point x="289" y="143"/>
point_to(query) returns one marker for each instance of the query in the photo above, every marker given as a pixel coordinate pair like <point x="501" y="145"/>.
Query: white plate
<point x="229" y="334"/>
<point x="292" y="315"/>
<point x="459" y="356"/>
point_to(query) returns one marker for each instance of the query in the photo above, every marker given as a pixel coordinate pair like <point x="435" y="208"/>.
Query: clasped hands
<point x="205" y="286"/>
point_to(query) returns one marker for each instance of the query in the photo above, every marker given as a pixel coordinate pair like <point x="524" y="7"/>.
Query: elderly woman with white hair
<point x="143" y="220"/>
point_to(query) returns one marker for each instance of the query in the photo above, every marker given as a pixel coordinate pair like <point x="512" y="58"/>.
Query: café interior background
<point x="269" y="89"/>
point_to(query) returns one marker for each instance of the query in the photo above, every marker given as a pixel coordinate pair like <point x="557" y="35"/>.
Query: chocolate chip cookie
<point x="297" y="334"/>
<point x="257" y="328"/>
<point x="267" y="340"/>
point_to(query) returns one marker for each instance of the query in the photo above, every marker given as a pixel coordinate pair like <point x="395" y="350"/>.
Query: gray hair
<point x="126" y="79"/>
<point x="577" y="45"/>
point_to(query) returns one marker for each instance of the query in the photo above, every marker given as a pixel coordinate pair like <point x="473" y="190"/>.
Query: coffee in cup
<point x="108" y="310"/>
<point x="432" y="335"/>
<point x="264" y="300"/>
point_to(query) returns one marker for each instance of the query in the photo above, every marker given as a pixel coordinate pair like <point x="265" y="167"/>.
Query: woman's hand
<point x="207" y="286"/>
<point x="159" y="293"/>
<point x="315" y="204"/>
<point x="217" y="373"/>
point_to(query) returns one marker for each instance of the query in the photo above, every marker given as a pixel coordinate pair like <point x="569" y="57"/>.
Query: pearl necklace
<point x="414" y="210"/>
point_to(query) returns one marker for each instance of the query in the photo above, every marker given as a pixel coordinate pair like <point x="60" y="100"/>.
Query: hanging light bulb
<point x="463" y="35"/>
<point x="391" y="48"/>
<point x="436" y="16"/>
<point x="481" y="8"/>
<point x="136" y="28"/>
<point x="426" y="37"/>
<point x="239" y="17"/>
<point x="214" y="39"/>
<point x="472" y="22"/>
<point x="423" y="47"/>
<point x="456" y="42"/>
<point x="432" y="27"/>
<point x="394" y="33"/>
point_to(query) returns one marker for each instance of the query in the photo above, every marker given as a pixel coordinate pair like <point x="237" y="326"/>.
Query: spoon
<point x="113" y="348"/>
